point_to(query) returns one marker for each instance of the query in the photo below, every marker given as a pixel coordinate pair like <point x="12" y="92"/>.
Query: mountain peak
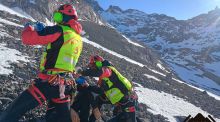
<point x="114" y="9"/>
<point x="95" y="5"/>
<point x="207" y="19"/>
<point x="135" y="11"/>
<point x="215" y="11"/>
<point x="216" y="8"/>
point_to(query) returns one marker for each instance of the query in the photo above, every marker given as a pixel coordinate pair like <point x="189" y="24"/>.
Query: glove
<point x="80" y="80"/>
<point x="39" y="26"/>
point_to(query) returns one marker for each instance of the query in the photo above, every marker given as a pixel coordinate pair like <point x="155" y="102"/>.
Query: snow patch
<point x="139" y="85"/>
<point x="49" y="23"/>
<point x="212" y="67"/>
<point x="216" y="54"/>
<point x="4" y="8"/>
<point x="209" y="93"/>
<point x="110" y="26"/>
<point x="152" y="77"/>
<point x="194" y="77"/>
<point x="37" y="46"/>
<point x="157" y="72"/>
<point x="168" y="105"/>
<point x="160" y="66"/>
<point x="8" y="56"/>
<point x="19" y="10"/>
<point x="10" y="23"/>
<point x="136" y="44"/>
<point x="217" y="97"/>
<point x="4" y="34"/>
<point x="32" y="1"/>
<point x="112" y="52"/>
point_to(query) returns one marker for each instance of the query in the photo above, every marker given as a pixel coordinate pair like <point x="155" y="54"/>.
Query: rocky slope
<point x="42" y="10"/>
<point x="22" y="72"/>
<point x="150" y="74"/>
<point x="190" y="47"/>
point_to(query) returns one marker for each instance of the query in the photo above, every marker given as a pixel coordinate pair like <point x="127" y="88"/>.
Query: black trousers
<point x="82" y="104"/>
<point x="121" y="114"/>
<point x="124" y="117"/>
<point x="26" y="102"/>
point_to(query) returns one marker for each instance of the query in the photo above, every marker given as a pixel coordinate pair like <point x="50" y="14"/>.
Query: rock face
<point x="114" y="41"/>
<point x="188" y="46"/>
<point x="41" y="10"/>
<point x="13" y="84"/>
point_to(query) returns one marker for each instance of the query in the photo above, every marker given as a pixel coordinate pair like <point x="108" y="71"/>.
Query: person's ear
<point x="57" y="17"/>
<point x="98" y="64"/>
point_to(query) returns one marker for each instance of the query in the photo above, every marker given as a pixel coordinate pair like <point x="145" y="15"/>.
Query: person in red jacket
<point x="54" y="83"/>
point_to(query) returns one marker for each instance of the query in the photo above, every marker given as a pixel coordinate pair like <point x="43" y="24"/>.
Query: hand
<point x="39" y="26"/>
<point x="80" y="80"/>
<point x="85" y="84"/>
<point x="74" y="116"/>
<point x="97" y="113"/>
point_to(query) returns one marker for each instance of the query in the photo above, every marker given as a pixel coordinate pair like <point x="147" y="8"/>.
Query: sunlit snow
<point x="22" y="14"/>
<point x="9" y="56"/>
<point x="168" y="105"/>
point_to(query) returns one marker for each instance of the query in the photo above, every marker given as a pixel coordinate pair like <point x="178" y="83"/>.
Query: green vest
<point x="69" y="52"/>
<point x="114" y="94"/>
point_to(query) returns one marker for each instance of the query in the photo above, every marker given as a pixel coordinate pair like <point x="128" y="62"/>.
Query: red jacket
<point x="48" y="35"/>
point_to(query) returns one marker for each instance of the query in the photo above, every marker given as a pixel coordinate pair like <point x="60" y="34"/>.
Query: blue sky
<point x="180" y="9"/>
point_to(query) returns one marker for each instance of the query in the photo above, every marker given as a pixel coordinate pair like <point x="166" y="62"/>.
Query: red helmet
<point x="96" y="60"/>
<point x="69" y="10"/>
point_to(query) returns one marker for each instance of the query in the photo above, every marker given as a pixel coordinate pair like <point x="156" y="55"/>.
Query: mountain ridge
<point x="151" y="76"/>
<point x="186" y="45"/>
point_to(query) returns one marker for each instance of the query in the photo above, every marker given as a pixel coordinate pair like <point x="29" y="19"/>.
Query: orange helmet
<point x="69" y="10"/>
<point x="65" y="13"/>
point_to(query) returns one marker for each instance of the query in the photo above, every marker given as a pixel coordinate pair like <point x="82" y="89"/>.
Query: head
<point x="96" y="61"/>
<point x="65" y="13"/>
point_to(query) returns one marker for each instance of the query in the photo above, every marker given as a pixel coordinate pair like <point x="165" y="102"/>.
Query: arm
<point x="95" y="89"/>
<point x="91" y="72"/>
<point x="48" y="35"/>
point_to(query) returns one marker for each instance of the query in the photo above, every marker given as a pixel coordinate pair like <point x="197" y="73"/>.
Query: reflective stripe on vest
<point x="115" y="94"/>
<point x="69" y="52"/>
